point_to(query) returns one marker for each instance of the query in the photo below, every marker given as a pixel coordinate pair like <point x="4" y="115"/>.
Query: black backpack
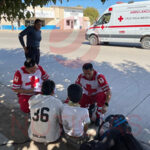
<point x="118" y="125"/>
<point x="118" y="122"/>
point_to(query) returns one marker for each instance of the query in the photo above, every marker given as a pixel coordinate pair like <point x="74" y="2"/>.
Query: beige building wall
<point x="61" y="18"/>
<point x="22" y="22"/>
<point x="86" y="22"/>
<point x="57" y="16"/>
<point x="3" y="22"/>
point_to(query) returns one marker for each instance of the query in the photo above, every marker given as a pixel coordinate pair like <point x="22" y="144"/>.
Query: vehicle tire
<point x="145" y="42"/>
<point x="93" y="40"/>
<point x="106" y="43"/>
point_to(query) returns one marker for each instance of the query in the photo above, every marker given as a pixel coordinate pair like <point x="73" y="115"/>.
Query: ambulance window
<point x="104" y="19"/>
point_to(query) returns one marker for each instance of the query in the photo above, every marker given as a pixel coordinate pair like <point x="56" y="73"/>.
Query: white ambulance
<point x="122" y="22"/>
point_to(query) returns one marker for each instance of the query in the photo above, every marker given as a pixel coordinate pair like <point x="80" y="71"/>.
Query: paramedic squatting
<point x="96" y="91"/>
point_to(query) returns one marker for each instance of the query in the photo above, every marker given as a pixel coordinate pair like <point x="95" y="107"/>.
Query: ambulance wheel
<point x="106" y="43"/>
<point x="145" y="42"/>
<point x="93" y="40"/>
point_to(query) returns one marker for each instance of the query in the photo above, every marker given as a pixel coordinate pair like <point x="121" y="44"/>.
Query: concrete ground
<point x="126" y="67"/>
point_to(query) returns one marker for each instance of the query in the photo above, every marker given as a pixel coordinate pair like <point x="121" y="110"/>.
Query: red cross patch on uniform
<point x="16" y="79"/>
<point x="101" y="80"/>
<point x="33" y="82"/>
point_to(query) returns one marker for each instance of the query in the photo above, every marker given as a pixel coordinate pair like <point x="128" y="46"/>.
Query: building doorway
<point x="72" y="24"/>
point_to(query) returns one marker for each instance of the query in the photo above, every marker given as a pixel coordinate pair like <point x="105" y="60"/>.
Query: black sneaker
<point x="91" y="110"/>
<point x="97" y="122"/>
<point x="91" y="121"/>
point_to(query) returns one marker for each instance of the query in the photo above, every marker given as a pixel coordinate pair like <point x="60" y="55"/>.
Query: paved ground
<point x="126" y="67"/>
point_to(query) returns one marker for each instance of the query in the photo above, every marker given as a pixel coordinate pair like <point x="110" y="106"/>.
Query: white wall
<point x="75" y="15"/>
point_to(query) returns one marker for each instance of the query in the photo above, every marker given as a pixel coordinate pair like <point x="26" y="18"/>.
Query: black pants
<point x="33" y="53"/>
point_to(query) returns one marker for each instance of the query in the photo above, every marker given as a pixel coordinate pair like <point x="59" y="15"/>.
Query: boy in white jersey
<point x="75" y="119"/>
<point x="45" y="112"/>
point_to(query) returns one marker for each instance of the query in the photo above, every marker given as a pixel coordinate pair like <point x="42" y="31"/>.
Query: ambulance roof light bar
<point x="119" y="2"/>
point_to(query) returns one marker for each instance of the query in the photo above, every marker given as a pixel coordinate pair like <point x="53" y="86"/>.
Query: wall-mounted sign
<point x="44" y="14"/>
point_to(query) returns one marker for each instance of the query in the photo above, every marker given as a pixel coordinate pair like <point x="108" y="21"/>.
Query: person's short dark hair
<point x="75" y="92"/>
<point x="37" y="21"/>
<point x="48" y="87"/>
<point x="87" y="66"/>
<point x="29" y="63"/>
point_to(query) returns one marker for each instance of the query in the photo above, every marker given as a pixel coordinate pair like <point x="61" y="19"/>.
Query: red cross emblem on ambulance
<point x="102" y="27"/>
<point x="120" y="18"/>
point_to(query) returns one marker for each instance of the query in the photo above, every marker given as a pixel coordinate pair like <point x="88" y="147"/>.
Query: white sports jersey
<point x="96" y="85"/>
<point x="74" y="119"/>
<point x="22" y="79"/>
<point x="45" y="118"/>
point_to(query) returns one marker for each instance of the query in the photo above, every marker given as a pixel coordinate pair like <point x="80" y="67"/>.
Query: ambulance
<point x="122" y="22"/>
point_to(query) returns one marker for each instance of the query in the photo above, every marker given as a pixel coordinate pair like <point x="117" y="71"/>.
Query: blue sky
<point x="91" y="3"/>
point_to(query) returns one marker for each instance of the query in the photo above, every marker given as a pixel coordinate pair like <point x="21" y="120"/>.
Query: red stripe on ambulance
<point x="123" y="26"/>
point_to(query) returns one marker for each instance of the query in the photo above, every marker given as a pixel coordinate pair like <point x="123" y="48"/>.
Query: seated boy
<point x="45" y="112"/>
<point x="75" y="119"/>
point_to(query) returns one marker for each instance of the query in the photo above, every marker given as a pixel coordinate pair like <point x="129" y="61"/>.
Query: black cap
<point x="87" y="66"/>
<point x="29" y="63"/>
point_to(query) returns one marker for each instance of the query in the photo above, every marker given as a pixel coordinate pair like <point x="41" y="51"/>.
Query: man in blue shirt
<point x="33" y="34"/>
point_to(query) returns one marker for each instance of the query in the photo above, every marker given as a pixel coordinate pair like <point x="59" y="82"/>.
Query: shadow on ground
<point x="119" y="44"/>
<point x="129" y="83"/>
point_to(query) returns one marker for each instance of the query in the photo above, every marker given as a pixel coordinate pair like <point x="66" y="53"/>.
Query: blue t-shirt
<point x="33" y="37"/>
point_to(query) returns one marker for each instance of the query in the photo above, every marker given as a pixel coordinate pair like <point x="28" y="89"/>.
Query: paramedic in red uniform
<point x="27" y="82"/>
<point x="96" y="90"/>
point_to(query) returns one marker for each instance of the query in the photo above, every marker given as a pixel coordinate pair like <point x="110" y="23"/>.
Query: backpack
<point x="118" y="122"/>
<point x="118" y="125"/>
